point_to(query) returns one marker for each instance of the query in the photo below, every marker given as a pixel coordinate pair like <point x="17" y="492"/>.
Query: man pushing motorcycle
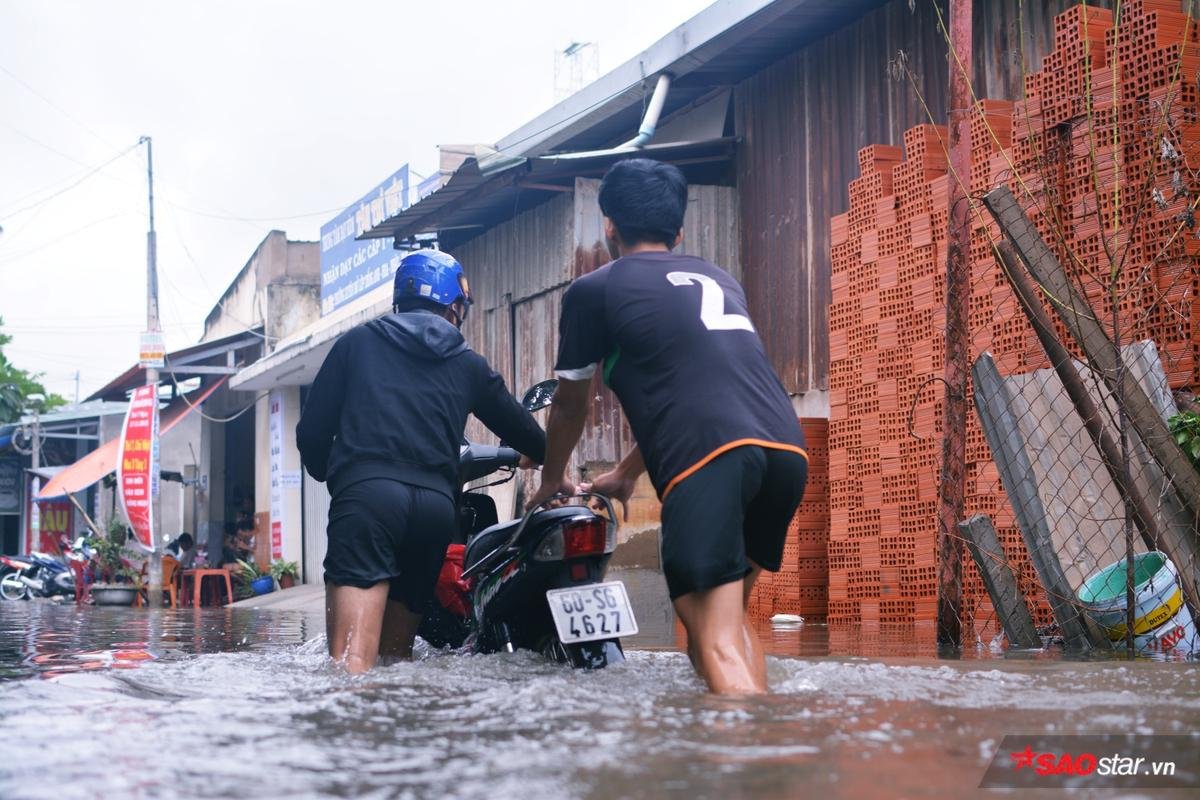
<point x="715" y="428"/>
<point x="383" y="425"/>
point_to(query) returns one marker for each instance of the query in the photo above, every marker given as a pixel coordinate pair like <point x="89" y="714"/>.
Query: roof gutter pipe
<point x="653" y="111"/>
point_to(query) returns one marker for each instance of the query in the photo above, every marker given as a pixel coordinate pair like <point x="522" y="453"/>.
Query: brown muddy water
<point x="219" y="703"/>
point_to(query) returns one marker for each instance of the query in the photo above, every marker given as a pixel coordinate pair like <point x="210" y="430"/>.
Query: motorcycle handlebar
<point x="479" y="460"/>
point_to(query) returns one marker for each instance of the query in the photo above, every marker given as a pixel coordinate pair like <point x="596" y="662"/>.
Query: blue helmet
<point x="431" y="275"/>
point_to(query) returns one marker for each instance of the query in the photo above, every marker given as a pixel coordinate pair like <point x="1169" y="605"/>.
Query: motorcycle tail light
<point x="587" y="537"/>
<point x="576" y="539"/>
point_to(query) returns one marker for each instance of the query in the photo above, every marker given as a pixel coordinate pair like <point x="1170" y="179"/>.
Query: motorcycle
<point x="40" y="574"/>
<point x="537" y="582"/>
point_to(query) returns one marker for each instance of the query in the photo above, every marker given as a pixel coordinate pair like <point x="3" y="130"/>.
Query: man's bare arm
<point x="568" y="415"/>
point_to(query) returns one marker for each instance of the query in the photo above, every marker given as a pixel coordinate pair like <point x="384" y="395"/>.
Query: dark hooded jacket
<point x="392" y="400"/>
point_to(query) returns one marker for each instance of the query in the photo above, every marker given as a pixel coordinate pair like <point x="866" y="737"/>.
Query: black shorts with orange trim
<point x="733" y="511"/>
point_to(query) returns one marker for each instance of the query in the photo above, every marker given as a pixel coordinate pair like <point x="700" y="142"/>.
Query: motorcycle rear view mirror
<point x="540" y="395"/>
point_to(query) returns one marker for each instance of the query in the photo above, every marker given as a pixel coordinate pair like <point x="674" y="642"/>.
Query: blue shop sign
<point x="351" y="267"/>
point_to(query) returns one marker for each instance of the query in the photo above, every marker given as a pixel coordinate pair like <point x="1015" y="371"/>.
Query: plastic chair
<point x="170" y="582"/>
<point x="82" y="588"/>
<point x="196" y="578"/>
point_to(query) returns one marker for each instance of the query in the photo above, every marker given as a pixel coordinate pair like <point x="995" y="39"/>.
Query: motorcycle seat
<point x="489" y="539"/>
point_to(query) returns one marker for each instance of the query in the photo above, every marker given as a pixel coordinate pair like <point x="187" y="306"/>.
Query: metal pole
<point x="952" y="486"/>
<point x="35" y="456"/>
<point x="154" y="590"/>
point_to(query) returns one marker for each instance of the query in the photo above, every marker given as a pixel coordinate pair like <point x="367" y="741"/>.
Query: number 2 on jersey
<point x="712" y="303"/>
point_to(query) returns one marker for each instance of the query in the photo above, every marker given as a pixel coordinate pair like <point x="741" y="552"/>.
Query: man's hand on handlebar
<point x="527" y="463"/>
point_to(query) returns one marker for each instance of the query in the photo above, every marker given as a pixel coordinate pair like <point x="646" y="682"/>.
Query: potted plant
<point x="285" y="572"/>
<point x="259" y="583"/>
<point x="117" y="583"/>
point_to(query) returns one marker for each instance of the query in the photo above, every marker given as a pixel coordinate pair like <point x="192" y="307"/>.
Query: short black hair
<point x="245" y="524"/>
<point x="186" y="541"/>
<point x="416" y="303"/>
<point x="645" y="199"/>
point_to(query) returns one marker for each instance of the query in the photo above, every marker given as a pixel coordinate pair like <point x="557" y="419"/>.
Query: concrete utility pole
<point x="952" y="486"/>
<point x="154" y="590"/>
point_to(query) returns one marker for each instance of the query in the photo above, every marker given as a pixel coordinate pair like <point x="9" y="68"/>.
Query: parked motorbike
<point x="537" y="582"/>
<point x="41" y="574"/>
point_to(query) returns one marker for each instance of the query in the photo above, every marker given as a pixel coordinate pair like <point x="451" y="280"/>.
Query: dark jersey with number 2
<point x="675" y="343"/>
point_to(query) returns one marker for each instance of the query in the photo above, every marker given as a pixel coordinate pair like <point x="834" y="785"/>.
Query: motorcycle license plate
<point x="591" y="613"/>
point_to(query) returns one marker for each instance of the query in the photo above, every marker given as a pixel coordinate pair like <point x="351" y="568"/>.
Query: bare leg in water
<point x="399" y="630"/>
<point x="754" y="650"/>
<point x="722" y="650"/>
<point x="354" y="624"/>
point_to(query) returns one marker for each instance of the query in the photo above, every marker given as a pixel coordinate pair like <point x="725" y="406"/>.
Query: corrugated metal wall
<point x="521" y="258"/>
<point x="520" y="269"/>
<point x="803" y="120"/>
<point x="710" y="231"/>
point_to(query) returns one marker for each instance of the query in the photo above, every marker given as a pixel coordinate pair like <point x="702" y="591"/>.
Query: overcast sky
<point x="264" y="114"/>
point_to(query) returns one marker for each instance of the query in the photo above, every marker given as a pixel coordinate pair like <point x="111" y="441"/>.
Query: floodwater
<point x="100" y="702"/>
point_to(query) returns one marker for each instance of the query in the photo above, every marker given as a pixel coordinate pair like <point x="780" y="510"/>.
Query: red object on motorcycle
<point x="586" y="537"/>
<point x="452" y="591"/>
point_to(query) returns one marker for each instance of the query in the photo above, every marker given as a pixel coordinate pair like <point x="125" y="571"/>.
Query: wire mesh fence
<point x="1081" y="323"/>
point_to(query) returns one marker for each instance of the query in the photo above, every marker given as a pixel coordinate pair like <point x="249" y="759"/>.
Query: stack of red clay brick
<point x="1108" y="138"/>
<point x="800" y="585"/>
<point x="1110" y="109"/>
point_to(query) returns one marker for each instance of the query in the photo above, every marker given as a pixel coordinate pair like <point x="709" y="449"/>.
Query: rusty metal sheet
<point x="522" y="257"/>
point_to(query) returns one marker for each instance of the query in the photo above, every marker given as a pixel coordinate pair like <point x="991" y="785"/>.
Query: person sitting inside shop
<point x="233" y="551"/>
<point x="183" y="549"/>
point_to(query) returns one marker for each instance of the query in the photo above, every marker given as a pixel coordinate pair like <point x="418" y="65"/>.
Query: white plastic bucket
<point x="1162" y="621"/>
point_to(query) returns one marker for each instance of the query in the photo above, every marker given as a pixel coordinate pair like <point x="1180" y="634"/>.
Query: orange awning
<point x="103" y="460"/>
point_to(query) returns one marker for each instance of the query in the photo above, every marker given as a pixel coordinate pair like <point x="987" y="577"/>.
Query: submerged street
<point x="690" y="399"/>
<point x="235" y="702"/>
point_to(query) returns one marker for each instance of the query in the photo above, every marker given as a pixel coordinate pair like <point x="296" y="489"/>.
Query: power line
<point x="235" y="218"/>
<point x="89" y="173"/>
<point x="55" y="106"/>
<point x="203" y="279"/>
<point x="64" y="237"/>
<point x="41" y="144"/>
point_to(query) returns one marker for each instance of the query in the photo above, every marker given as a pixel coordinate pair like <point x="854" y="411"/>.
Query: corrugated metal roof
<point x="195" y="354"/>
<point x="718" y="47"/>
<point x="471" y="199"/>
<point x="723" y="44"/>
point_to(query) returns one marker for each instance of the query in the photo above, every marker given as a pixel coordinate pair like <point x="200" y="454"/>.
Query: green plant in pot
<point x="117" y="582"/>
<point x="258" y="581"/>
<point x="285" y="572"/>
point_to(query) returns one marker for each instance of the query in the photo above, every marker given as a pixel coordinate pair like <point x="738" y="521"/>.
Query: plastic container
<point x="1162" y="621"/>
<point x="263" y="585"/>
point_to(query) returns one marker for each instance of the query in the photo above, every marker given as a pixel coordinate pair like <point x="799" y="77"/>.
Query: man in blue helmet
<point x="382" y="425"/>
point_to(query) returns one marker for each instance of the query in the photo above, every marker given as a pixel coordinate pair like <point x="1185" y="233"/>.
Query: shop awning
<point x="297" y="359"/>
<point x="103" y="460"/>
<point x="204" y="360"/>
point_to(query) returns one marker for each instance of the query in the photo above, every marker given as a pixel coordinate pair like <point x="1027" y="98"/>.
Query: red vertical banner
<point x="54" y="525"/>
<point x="137" y="463"/>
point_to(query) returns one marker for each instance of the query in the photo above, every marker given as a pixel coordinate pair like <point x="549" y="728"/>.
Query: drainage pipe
<point x="653" y="111"/>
